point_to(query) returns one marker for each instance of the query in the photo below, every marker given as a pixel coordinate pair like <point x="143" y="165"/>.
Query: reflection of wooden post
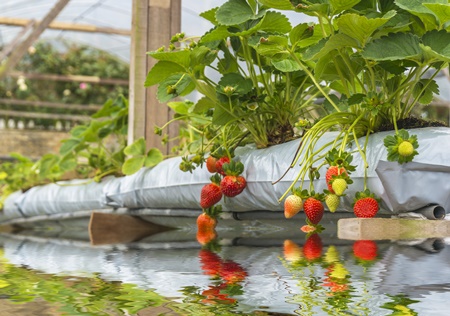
<point x="154" y="23"/>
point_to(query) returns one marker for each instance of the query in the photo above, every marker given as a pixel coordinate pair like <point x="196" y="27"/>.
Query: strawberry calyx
<point x="340" y="159"/>
<point x="365" y="194"/>
<point x="213" y="211"/>
<point x="216" y="179"/>
<point x="318" y="196"/>
<point x="233" y="168"/>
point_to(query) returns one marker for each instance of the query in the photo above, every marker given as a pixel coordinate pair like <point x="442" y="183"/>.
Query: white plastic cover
<point x="402" y="188"/>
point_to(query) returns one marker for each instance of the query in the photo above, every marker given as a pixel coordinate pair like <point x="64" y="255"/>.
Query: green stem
<point x="311" y="76"/>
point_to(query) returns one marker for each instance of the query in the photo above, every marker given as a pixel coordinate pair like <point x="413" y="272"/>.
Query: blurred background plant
<point x="62" y="58"/>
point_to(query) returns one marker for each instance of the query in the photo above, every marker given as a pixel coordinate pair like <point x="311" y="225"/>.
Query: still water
<point x="252" y="272"/>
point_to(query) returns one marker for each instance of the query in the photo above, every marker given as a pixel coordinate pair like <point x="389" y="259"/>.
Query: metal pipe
<point x="432" y="211"/>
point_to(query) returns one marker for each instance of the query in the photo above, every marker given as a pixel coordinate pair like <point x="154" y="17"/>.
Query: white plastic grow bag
<point x="63" y="197"/>
<point x="402" y="188"/>
<point x="166" y="186"/>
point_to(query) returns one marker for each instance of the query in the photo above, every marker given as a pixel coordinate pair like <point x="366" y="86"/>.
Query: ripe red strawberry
<point x="233" y="185"/>
<point x="292" y="205"/>
<point x="211" y="164"/>
<point x="366" y="207"/>
<point x="219" y="164"/>
<point x="333" y="171"/>
<point x="312" y="249"/>
<point x="206" y="222"/>
<point x="313" y="209"/>
<point x="365" y="250"/>
<point x="211" y="194"/>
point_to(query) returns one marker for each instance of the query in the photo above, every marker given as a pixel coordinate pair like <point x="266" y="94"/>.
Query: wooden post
<point x="154" y="23"/>
<point x="18" y="53"/>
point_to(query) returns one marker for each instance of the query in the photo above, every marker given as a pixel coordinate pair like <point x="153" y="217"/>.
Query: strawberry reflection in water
<point x="227" y="275"/>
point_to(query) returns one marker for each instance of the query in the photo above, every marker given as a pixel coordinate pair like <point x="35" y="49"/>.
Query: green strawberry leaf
<point x="133" y="165"/>
<point x="395" y="46"/>
<point x="161" y="71"/>
<point x="425" y="90"/>
<point x="234" y="12"/>
<point x="136" y="149"/>
<point x="278" y="4"/>
<point x="154" y="157"/>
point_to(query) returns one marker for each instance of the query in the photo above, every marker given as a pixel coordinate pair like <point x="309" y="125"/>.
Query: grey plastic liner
<point x="402" y="188"/>
<point x="66" y="197"/>
<point x="166" y="185"/>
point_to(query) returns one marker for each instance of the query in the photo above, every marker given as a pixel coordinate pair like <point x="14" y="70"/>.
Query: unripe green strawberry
<point x="405" y="148"/>
<point x="313" y="209"/>
<point x="333" y="171"/>
<point x="332" y="201"/>
<point x="292" y="205"/>
<point x="366" y="207"/>
<point x="339" y="186"/>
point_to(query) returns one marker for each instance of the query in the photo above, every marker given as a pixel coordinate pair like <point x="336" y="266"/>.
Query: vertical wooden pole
<point x="154" y="23"/>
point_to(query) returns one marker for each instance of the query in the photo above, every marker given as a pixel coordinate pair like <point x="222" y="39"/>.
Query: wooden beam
<point x="13" y="44"/>
<point x="392" y="228"/>
<point x="154" y="23"/>
<point x="69" y="78"/>
<point x="65" y="26"/>
<point x="18" y="53"/>
<point x="54" y="105"/>
<point x="35" y="115"/>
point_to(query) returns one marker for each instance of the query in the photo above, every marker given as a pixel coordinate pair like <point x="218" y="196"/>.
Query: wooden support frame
<point x="70" y="78"/>
<point x="154" y="23"/>
<point x="18" y="53"/>
<point x="65" y="26"/>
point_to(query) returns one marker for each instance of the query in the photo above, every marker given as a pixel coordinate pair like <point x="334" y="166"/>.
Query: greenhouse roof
<point x="111" y="14"/>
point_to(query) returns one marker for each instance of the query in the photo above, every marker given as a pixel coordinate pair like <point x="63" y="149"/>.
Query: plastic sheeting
<point x="402" y="188"/>
<point x="166" y="185"/>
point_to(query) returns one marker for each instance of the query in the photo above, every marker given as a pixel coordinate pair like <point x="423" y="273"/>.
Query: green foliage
<point x="93" y="150"/>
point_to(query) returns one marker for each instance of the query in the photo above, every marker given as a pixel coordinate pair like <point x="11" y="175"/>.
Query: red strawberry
<point x="312" y="249"/>
<point x="211" y="194"/>
<point x="366" y="207"/>
<point x="205" y="236"/>
<point x="232" y="272"/>
<point x="206" y="222"/>
<point x="333" y="171"/>
<point x="211" y="164"/>
<point x="233" y="185"/>
<point x="219" y="164"/>
<point x="292" y="205"/>
<point x="365" y="250"/>
<point x="313" y="209"/>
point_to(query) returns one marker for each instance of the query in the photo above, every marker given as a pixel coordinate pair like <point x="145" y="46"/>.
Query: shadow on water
<point x="253" y="268"/>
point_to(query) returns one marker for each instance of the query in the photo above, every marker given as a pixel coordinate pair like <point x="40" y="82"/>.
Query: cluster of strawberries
<point x="227" y="180"/>
<point x="337" y="179"/>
